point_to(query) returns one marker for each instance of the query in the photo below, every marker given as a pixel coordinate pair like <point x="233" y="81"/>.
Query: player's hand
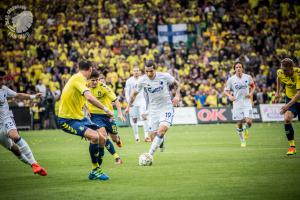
<point x="144" y="116"/>
<point x="249" y="95"/>
<point x="175" y="101"/>
<point x="88" y="113"/>
<point x="284" y="109"/>
<point x="38" y="95"/>
<point x="277" y="98"/>
<point x="231" y="98"/>
<point x="111" y="114"/>
<point x="126" y="111"/>
<point x="121" y="117"/>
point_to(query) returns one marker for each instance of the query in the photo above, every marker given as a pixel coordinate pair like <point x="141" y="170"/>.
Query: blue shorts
<point x="295" y="108"/>
<point x="103" y="120"/>
<point x="76" y="126"/>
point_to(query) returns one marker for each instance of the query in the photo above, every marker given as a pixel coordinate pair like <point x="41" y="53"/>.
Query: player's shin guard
<point x="100" y="156"/>
<point x="289" y="131"/>
<point x="94" y="153"/>
<point x="155" y="144"/>
<point x="25" y="150"/>
<point x="110" y="147"/>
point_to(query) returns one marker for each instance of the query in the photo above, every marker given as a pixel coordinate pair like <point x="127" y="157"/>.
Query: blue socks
<point x="110" y="147"/>
<point x="94" y="152"/>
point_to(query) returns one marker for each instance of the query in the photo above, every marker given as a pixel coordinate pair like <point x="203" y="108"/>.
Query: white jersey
<point x="157" y="93"/>
<point x="129" y="87"/>
<point x="5" y="92"/>
<point x="240" y="88"/>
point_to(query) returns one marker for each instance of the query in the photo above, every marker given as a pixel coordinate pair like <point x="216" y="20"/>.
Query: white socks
<point x="146" y="128"/>
<point x="23" y="158"/>
<point x="155" y="144"/>
<point x="26" y="151"/>
<point x="135" y="129"/>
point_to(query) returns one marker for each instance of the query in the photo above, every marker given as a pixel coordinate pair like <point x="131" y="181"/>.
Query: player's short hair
<point x="238" y="62"/>
<point x="2" y="74"/>
<point x="150" y="63"/>
<point x="95" y="74"/>
<point x="287" y="63"/>
<point x="85" y="65"/>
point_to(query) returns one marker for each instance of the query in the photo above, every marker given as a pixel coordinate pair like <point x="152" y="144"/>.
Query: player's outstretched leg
<point x="158" y="139"/>
<point x="289" y="131"/>
<point x="26" y="153"/>
<point x="111" y="149"/>
<point x="15" y="149"/>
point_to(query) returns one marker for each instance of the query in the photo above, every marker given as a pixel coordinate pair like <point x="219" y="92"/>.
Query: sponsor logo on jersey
<point x="240" y="87"/>
<point x="158" y="89"/>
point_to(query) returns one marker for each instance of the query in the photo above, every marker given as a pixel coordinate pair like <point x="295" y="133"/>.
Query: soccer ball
<point x="145" y="159"/>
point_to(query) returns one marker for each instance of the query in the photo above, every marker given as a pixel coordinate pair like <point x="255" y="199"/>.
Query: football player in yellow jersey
<point x="71" y="118"/>
<point x="289" y="76"/>
<point x="106" y="96"/>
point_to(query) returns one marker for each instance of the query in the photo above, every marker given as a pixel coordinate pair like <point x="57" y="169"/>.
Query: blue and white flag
<point x="172" y="33"/>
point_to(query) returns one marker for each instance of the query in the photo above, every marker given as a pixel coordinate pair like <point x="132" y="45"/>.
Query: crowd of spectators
<point x="120" y="34"/>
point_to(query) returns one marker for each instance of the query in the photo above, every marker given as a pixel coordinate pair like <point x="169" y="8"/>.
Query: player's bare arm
<point x="252" y="89"/>
<point x="90" y="98"/>
<point x="278" y="89"/>
<point x="132" y="98"/>
<point x="119" y="110"/>
<point x="86" y="110"/>
<point x="28" y="96"/>
<point x="229" y="95"/>
<point x="290" y="103"/>
<point x="176" y="99"/>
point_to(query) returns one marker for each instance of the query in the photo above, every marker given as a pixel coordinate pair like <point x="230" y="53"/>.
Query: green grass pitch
<point x="200" y="162"/>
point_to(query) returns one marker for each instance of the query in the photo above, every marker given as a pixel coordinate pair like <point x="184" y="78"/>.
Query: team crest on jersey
<point x="81" y="128"/>
<point x="161" y="82"/>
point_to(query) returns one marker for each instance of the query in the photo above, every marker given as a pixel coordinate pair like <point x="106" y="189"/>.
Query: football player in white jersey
<point x="242" y="86"/>
<point x="138" y="109"/>
<point x="9" y="136"/>
<point x="159" y="102"/>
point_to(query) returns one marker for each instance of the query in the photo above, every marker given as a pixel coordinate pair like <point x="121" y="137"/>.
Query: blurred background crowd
<point x="120" y="34"/>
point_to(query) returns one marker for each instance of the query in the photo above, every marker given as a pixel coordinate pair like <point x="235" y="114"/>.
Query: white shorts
<point x="156" y="117"/>
<point x="137" y="111"/>
<point x="5" y="127"/>
<point x="242" y="113"/>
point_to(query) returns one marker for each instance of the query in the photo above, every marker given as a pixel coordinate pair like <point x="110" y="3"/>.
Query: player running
<point x="106" y="96"/>
<point x="289" y="76"/>
<point x="71" y="117"/>
<point x="242" y="86"/>
<point x="9" y="136"/>
<point x="138" y="110"/>
<point x="158" y="99"/>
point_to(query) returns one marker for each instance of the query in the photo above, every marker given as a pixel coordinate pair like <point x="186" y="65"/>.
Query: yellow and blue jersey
<point x="292" y="83"/>
<point x="105" y="95"/>
<point x="72" y="99"/>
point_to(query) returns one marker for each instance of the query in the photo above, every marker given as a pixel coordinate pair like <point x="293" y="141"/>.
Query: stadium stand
<point x="120" y="34"/>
